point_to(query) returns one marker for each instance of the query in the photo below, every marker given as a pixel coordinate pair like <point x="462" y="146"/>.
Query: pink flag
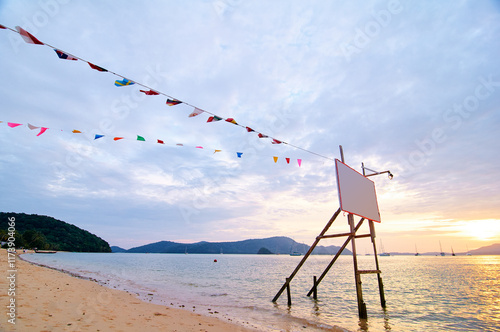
<point x="299" y="161"/>
<point x="28" y="37"/>
<point x="13" y="125"/>
<point x="196" y="112"/>
<point x="42" y="130"/>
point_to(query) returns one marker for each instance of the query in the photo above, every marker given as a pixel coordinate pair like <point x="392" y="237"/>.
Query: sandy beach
<point x="50" y="300"/>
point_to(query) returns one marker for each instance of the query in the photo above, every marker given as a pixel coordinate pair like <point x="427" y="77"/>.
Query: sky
<point x="410" y="87"/>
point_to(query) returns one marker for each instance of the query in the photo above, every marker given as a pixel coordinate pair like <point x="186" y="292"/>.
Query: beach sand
<point x="50" y="300"/>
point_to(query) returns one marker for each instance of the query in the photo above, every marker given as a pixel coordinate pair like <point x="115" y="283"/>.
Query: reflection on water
<point x="424" y="293"/>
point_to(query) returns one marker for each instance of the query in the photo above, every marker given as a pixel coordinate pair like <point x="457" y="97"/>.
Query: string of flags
<point x="140" y="138"/>
<point x="171" y="101"/>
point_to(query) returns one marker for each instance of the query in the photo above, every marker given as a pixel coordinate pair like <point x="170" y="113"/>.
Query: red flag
<point x="262" y="135"/>
<point x="28" y="37"/>
<point x="160" y="142"/>
<point x="231" y="120"/>
<point x="287" y="160"/>
<point x="42" y="130"/>
<point x="117" y="138"/>
<point x="150" y="92"/>
<point x="2" y="27"/>
<point x="96" y="67"/>
<point x="249" y="129"/>
<point x="275" y="141"/>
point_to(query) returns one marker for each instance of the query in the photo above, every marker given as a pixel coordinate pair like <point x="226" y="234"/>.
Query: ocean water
<point x="424" y="293"/>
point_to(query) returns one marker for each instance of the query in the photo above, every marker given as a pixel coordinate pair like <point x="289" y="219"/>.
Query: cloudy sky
<point x="411" y="87"/>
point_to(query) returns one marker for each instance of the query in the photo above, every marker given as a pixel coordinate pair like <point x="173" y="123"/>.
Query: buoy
<point x="215" y="261"/>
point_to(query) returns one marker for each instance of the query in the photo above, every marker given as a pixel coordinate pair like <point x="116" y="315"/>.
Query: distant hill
<point x="47" y="233"/>
<point x="274" y="245"/>
<point x="494" y="249"/>
<point x="117" y="249"/>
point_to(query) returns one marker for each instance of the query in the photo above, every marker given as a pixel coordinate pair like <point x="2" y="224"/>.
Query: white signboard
<point x="356" y="193"/>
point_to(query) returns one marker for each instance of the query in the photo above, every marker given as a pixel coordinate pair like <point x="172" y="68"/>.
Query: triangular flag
<point x="30" y="126"/>
<point x="117" y="138"/>
<point x="140" y="138"/>
<point x="64" y="56"/>
<point x="239" y="154"/>
<point x="96" y="67"/>
<point x="160" y="141"/>
<point x="76" y="131"/>
<point x="275" y="159"/>
<point x="124" y="82"/>
<point x="180" y="144"/>
<point x="217" y="151"/>
<point x="150" y="92"/>
<point x="199" y="147"/>
<point x="214" y="118"/>
<point x="2" y="27"/>
<point x="42" y="130"/>
<point x="98" y="136"/>
<point x="172" y="102"/>
<point x="249" y="129"/>
<point x="13" y="125"/>
<point x="262" y="135"/>
<point x="231" y="120"/>
<point x="299" y="161"/>
<point x="275" y="141"/>
<point x="28" y="37"/>
<point x="196" y="112"/>
<point x="287" y="160"/>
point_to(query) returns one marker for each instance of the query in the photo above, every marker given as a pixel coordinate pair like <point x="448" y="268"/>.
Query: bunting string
<point x="171" y="101"/>
<point x="140" y="138"/>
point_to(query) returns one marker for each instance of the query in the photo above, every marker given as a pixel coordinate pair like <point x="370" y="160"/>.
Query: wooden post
<point x="336" y="256"/>
<point x="361" y="304"/>
<point x="315" y="292"/>
<point x="289" y="279"/>
<point x="288" y="293"/>
<point x="379" y="277"/>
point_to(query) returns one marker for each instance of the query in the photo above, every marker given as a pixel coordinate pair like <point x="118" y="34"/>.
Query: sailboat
<point x="441" y="249"/>
<point x="383" y="253"/>
<point x="468" y="252"/>
<point x="416" y="251"/>
<point x="452" y="252"/>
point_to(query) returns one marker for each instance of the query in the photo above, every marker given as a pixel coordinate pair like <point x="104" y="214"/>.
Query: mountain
<point x="47" y="233"/>
<point x="275" y="245"/>
<point x="494" y="249"/>
<point x="117" y="249"/>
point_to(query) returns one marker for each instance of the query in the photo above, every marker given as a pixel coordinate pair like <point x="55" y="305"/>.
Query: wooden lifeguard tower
<point x="357" y="197"/>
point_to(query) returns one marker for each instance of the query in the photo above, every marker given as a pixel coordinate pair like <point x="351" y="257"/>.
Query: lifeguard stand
<point x="357" y="196"/>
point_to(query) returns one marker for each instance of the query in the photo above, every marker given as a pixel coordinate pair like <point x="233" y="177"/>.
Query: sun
<point x="483" y="230"/>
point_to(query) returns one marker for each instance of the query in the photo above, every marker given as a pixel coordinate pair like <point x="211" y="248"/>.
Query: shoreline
<point x="48" y="299"/>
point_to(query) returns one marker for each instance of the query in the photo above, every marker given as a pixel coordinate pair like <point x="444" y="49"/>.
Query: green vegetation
<point x="264" y="251"/>
<point x="47" y="233"/>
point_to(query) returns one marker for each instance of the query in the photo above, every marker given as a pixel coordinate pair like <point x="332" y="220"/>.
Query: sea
<point x="423" y="293"/>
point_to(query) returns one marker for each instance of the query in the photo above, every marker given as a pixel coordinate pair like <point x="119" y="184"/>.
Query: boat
<point x="441" y="249"/>
<point x="416" y="251"/>
<point x="295" y="253"/>
<point x="45" y="251"/>
<point x="383" y="253"/>
<point x="468" y="251"/>
<point x="452" y="252"/>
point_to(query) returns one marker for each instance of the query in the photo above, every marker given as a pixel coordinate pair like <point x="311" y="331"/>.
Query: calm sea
<point x="424" y="293"/>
